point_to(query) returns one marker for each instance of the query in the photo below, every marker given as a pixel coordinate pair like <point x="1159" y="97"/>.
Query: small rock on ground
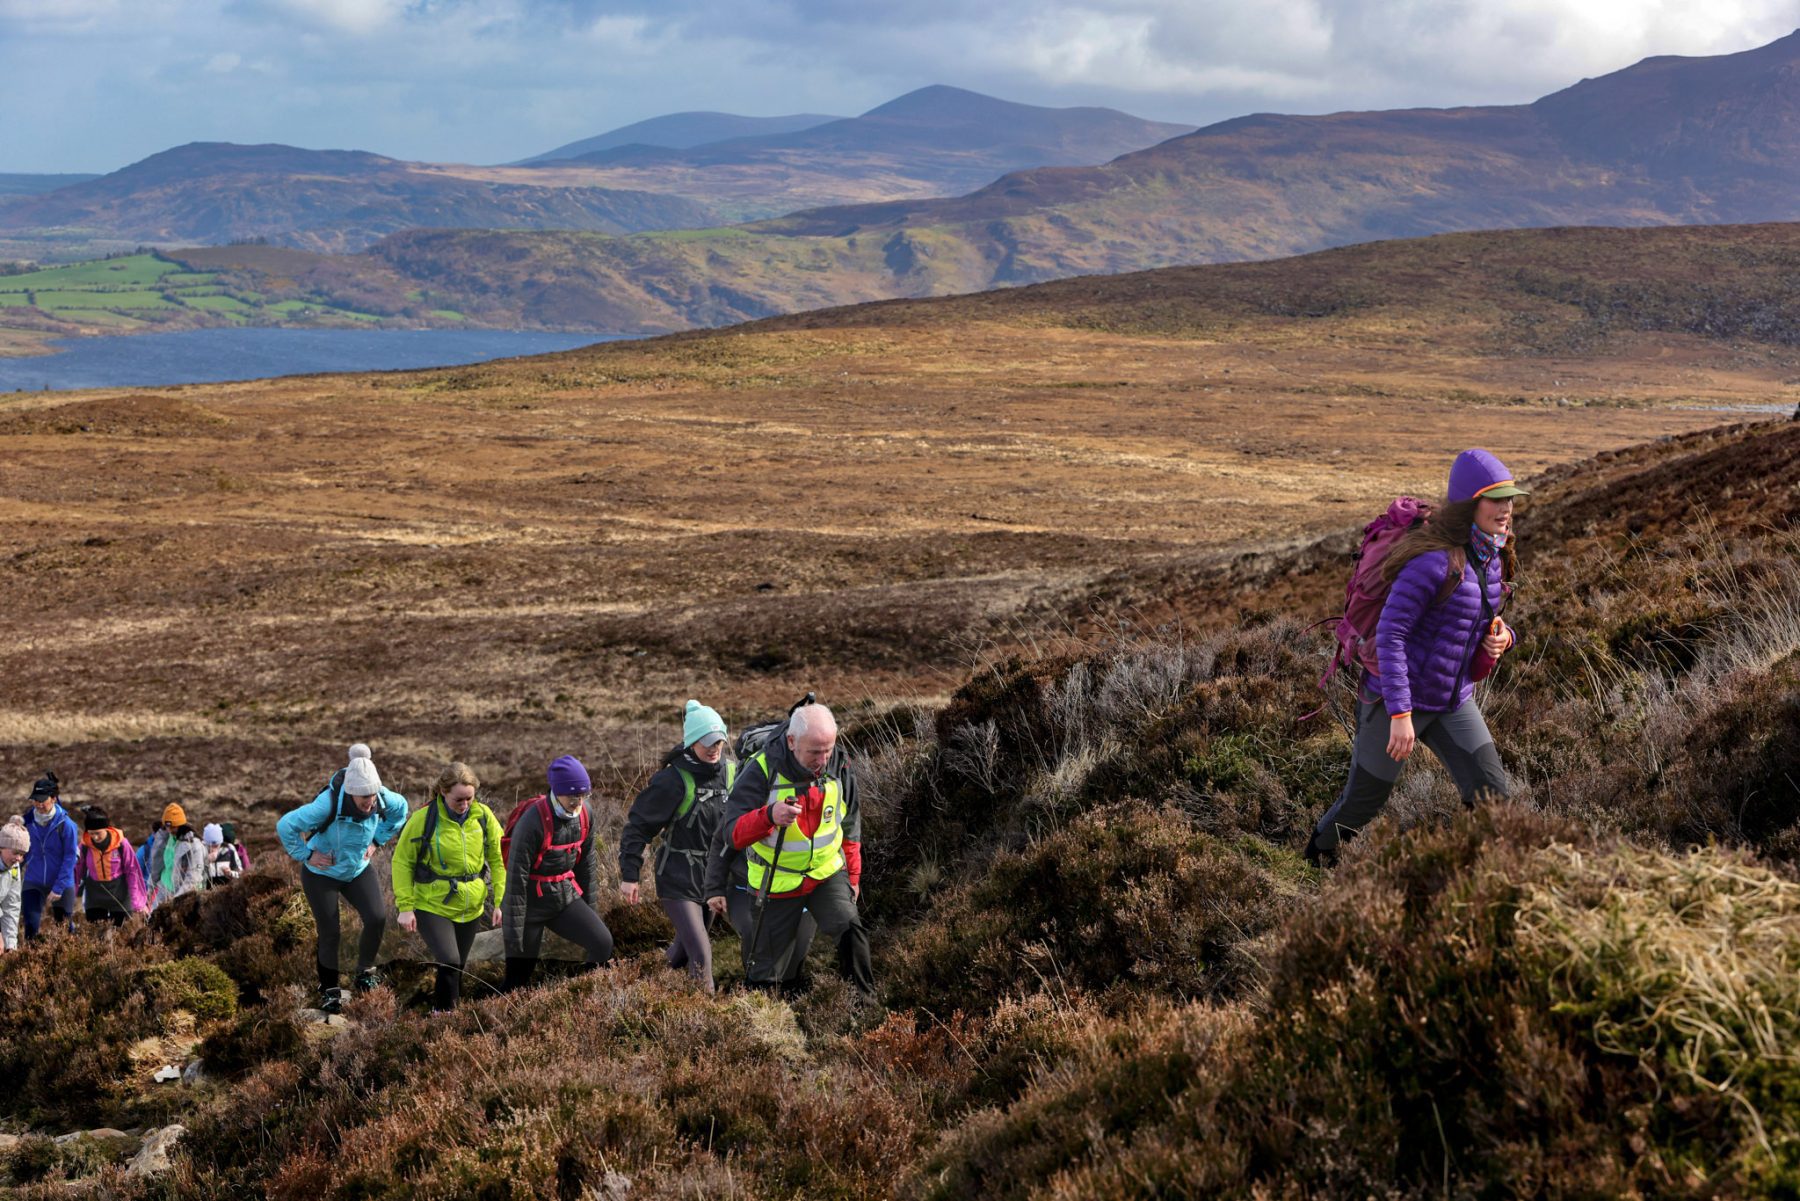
<point x="153" y="1157"/>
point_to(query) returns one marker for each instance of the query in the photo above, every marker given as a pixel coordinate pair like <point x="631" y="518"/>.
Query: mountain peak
<point x="939" y="101"/>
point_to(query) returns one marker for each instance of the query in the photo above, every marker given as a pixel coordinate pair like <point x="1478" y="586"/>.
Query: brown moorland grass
<point x="507" y="562"/>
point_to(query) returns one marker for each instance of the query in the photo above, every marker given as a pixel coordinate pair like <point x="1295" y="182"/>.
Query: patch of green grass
<point x="448" y="315"/>
<point x="56" y="300"/>
<point x="218" y="304"/>
<point x="133" y="271"/>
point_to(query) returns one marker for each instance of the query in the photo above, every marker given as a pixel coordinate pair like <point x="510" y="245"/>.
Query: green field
<point x="140" y="288"/>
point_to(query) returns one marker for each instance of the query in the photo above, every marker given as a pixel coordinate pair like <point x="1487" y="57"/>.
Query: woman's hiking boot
<point x="1317" y="855"/>
<point x="331" y="1000"/>
<point x="367" y="979"/>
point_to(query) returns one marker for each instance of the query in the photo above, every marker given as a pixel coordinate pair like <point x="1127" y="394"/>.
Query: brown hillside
<point x="508" y="561"/>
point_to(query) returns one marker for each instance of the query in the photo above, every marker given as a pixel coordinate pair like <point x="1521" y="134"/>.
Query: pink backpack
<point x="1367" y="591"/>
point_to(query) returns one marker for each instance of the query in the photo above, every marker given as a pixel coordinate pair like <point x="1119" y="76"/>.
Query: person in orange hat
<point x="177" y="860"/>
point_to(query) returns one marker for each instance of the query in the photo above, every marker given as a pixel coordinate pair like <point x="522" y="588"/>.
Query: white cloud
<point x="491" y="80"/>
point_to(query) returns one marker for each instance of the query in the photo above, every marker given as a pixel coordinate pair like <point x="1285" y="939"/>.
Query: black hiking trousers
<point x="1459" y="739"/>
<point x="364" y="894"/>
<point x="449" y="944"/>
<point x="833" y="907"/>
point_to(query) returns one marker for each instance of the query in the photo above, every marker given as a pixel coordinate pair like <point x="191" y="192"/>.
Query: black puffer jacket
<point x="528" y="901"/>
<point x="686" y="837"/>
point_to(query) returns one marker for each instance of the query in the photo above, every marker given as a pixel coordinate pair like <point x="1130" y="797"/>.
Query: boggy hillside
<point x="1107" y="970"/>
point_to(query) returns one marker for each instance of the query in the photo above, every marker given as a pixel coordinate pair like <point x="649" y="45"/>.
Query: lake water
<point x="203" y="356"/>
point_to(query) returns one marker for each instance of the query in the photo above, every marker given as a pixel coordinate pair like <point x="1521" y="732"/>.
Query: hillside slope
<point x="321" y="200"/>
<point x="1668" y="141"/>
<point x="1106" y="971"/>
<point x="679" y="131"/>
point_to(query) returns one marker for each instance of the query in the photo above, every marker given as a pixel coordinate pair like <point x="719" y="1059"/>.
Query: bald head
<point x="812" y="736"/>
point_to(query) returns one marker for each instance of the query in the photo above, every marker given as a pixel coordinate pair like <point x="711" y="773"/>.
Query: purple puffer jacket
<point x="1427" y="649"/>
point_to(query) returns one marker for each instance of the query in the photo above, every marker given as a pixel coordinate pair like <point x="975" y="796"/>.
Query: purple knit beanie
<point x="1478" y="473"/>
<point x="568" y="777"/>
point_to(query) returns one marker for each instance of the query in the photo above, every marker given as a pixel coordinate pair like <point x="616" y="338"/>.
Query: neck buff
<point x="42" y="819"/>
<point x="1484" y="544"/>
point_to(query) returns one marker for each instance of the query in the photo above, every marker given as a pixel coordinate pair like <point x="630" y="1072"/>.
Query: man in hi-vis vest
<point x="798" y="825"/>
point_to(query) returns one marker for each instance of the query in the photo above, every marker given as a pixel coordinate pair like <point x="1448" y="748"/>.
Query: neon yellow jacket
<point x="461" y="869"/>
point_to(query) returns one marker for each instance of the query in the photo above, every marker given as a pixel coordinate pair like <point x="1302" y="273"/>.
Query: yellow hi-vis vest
<point x="819" y="857"/>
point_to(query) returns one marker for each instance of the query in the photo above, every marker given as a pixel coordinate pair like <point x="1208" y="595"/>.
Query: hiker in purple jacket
<point x="1439" y="634"/>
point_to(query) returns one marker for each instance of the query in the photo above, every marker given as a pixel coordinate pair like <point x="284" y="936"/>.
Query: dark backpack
<point x="755" y="738"/>
<point x="549" y="818"/>
<point x="1366" y="591"/>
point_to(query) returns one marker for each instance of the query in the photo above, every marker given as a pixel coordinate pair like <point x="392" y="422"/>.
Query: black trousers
<point x="832" y="906"/>
<point x="364" y="895"/>
<point x="449" y="944"/>
<point x="576" y="922"/>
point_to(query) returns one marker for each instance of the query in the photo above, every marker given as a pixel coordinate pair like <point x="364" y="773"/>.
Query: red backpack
<point x="549" y="818"/>
<point x="1367" y="591"/>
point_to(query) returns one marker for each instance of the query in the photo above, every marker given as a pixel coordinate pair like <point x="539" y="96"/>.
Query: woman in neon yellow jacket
<point x="448" y="875"/>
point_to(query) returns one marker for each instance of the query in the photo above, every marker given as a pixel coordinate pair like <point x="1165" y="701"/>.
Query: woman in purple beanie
<point x="1440" y="632"/>
<point x="550" y="871"/>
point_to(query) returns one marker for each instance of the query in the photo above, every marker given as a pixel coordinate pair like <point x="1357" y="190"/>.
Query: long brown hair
<point x="1447" y="529"/>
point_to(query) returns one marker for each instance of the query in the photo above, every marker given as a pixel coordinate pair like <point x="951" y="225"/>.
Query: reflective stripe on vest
<point x="819" y="857"/>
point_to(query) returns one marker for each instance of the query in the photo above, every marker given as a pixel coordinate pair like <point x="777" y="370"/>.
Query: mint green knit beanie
<point x="699" y="723"/>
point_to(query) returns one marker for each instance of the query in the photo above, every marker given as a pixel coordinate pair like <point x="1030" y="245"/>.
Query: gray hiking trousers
<point x="1459" y="739"/>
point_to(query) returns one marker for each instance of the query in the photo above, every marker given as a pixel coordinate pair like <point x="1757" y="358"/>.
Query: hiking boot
<point x="367" y="979"/>
<point x="1319" y="856"/>
<point x="331" y="1000"/>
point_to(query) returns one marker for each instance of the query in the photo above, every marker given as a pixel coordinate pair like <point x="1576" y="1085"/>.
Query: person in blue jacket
<point x="333" y="837"/>
<point x="49" y="876"/>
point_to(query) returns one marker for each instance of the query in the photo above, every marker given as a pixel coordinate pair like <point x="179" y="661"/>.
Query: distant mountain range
<point x="323" y="200"/>
<point x="933" y="142"/>
<point x="1670" y="140"/>
<point x="678" y="131"/>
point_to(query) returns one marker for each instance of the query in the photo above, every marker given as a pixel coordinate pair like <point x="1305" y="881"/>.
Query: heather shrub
<point x="541" y="1093"/>
<point x="71" y="1009"/>
<point x="257" y="929"/>
<point x="1480" y="1010"/>
<point x="194" y="985"/>
<point x="1126" y="902"/>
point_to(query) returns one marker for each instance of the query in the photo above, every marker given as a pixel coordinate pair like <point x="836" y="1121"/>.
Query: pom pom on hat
<point x="14" y="836"/>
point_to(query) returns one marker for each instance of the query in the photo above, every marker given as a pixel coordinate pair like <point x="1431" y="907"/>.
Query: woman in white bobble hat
<point x="333" y="837"/>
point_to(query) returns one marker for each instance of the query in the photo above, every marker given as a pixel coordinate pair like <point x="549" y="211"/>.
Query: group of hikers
<point x="770" y="840"/>
<point x="772" y="843"/>
<point x="50" y="864"/>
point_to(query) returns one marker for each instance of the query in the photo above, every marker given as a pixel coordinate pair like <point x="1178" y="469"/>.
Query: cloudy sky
<point x="90" y="85"/>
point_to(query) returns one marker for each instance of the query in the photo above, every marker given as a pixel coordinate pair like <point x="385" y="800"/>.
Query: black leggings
<point x="578" y="923"/>
<point x="449" y="944"/>
<point x="364" y="895"/>
<point x="115" y="916"/>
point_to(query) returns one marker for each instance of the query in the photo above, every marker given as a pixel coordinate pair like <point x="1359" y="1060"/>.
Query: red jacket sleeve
<point x="853" y="861"/>
<point x="754" y="826"/>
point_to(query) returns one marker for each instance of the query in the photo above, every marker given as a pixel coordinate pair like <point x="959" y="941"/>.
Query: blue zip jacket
<point x="351" y="839"/>
<point x="50" y="867"/>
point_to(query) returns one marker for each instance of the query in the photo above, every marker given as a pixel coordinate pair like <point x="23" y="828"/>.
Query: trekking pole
<point x="762" y="901"/>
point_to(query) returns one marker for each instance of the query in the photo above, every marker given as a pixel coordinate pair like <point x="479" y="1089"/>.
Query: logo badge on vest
<point x="829" y="810"/>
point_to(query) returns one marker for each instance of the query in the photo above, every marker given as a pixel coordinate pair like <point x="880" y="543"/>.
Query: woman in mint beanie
<point x="684" y="803"/>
